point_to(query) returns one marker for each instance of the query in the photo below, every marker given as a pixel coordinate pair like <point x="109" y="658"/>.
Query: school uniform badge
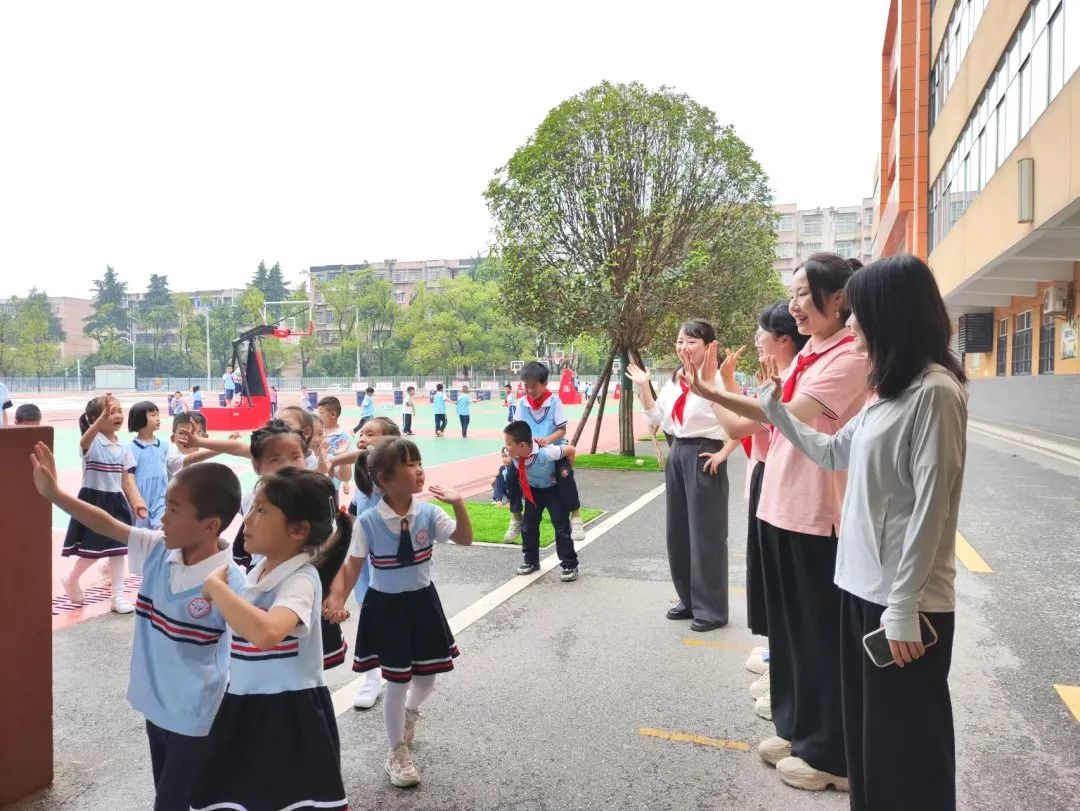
<point x="198" y="608"/>
<point x="422" y="537"/>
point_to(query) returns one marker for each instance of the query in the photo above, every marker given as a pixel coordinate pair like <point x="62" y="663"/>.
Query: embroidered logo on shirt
<point x="422" y="537"/>
<point x="198" y="608"/>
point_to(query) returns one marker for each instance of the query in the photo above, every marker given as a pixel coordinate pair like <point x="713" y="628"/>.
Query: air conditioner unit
<point x="975" y="333"/>
<point x="1056" y="299"/>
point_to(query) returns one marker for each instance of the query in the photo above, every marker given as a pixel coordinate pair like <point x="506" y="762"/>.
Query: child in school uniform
<point x="178" y="404"/>
<point x="274" y="741"/>
<point x="151" y="460"/>
<point x="273" y="401"/>
<point x="500" y="485"/>
<point x="196" y="398"/>
<point x="367" y="409"/>
<point x="403" y="629"/>
<point x="408" y="411"/>
<point x="107" y="483"/>
<point x="464" y="409"/>
<point x="537" y="477"/>
<point x="335" y="438"/>
<point x="546" y="416"/>
<point x="510" y="402"/>
<point x="438" y="408"/>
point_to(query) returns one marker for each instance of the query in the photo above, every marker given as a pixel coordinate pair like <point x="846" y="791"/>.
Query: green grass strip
<point x="614" y="461"/>
<point x="489" y="522"/>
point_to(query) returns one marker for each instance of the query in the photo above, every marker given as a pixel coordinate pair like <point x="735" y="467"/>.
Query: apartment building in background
<point x="202" y="300"/>
<point x="72" y="313"/>
<point x="846" y="230"/>
<point x="997" y="175"/>
<point x="403" y="276"/>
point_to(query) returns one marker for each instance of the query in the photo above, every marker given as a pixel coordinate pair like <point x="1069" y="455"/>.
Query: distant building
<point x="845" y="230"/>
<point x="202" y="300"/>
<point x="72" y="313"/>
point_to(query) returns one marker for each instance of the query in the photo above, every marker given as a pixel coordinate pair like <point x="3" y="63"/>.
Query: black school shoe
<point x="568" y="575"/>
<point x="528" y="568"/>
<point x="702" y="625"/>
<point x="680" y="614"/>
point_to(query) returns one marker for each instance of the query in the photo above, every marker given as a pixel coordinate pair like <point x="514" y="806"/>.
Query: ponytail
<point x="332" y="554"/>
<point x="362" y="476"/>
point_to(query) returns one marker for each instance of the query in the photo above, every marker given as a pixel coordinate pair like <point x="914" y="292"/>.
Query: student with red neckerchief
<point x="697" y="484"/>
<point x="799" y="518"/>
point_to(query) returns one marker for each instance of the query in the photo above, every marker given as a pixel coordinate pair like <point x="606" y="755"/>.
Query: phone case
<point x="877" y="647"/>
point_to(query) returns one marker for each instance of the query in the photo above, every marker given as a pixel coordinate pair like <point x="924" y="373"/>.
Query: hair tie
<point x="333" y="509"/>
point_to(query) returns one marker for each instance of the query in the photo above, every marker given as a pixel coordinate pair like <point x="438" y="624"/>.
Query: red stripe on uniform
<point x="157" y="619"/>
<point x="253" y="649"/>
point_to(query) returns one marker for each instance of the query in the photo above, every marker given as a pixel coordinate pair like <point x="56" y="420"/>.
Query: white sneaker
<point x="369" y="692"/>
<point x="514" y="529"/>
<point x="798" y="773"/>
<point x="400" y="767"/>
<point x="774" y="749"/>
<point x="411" y="717"/>
<point x="122" y="606"/>
<point x="758" y="661"/>
<point x="763" y="707"/>
<point x="577" y="529"/>
<point x="73" y="590"/>
<point x="761" y="686"/>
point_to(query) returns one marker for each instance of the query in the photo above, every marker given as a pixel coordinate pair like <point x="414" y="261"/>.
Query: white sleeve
<point x="359" y="547"/>
<point x="174" y="462"/>
<point x="558" y="411"/>
<point x="553" y="451"/>
<point x="519" y="409"/>
<point x="129" y="459"/>
<point x="297" y="593"/>
<point x="141" y="542"/>
<point x="445" y="526"/>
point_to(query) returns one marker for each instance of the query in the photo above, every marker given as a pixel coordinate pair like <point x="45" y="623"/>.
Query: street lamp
<point x="131" y="320"/>
<point x="206" y="312"/>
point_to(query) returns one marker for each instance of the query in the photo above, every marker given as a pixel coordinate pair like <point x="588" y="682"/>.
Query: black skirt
<point x="85" y="543"/>
<point x="405" y="634"/>
<point x="269" y="752"/>
<point x="756" y="615"/>
<point x="334" y="646"/>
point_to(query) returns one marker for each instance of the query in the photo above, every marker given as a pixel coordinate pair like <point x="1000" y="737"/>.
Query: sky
<point x="194" y="139"/>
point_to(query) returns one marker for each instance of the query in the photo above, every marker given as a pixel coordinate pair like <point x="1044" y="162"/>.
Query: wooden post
<point x="26" y="746"/>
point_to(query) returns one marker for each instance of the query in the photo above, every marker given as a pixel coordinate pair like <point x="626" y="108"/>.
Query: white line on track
<point x="343" y="696"/>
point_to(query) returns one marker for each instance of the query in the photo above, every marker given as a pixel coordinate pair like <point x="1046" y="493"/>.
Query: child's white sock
<point x="79" y="569"/>
<point x="420" y="689"/>
<point x="116" y="572"/>
<point x="394" y="712"/>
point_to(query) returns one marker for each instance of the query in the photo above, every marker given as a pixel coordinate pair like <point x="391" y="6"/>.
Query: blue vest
<point x="151" y="477"/>
<point x="295" y="663"/>
<point x="540" y="470"/>
<point x="387" y="575"/>
<point x="180" y="659"/>
<point x="363" y="504"/>
<point x="544" y="425"/>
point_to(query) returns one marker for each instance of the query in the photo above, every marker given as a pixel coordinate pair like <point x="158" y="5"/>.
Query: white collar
<point x="273" y="580"/>
<point x="386" y="512"/>
<point x="177" y="555"/>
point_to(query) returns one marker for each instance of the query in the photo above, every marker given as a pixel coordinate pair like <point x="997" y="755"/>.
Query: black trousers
<point x="564" y="481"/>
<point x="176" y="760"/>
<point x="547" y="498"/>
<point x="464" y="418"/>
<point x="697" y="533"/>
<point x="898" y="722"/>
<point x="803" y="606"/>
<point x="440" y="423"/>
<point x="406" y="423"/>
<point x="757" y="614"/>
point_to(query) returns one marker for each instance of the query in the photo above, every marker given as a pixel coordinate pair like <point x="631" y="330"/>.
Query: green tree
<point x="108" y="323"/>
<point x="156" y="313"/>
<point x="276" y="289"/>
<point x="8" y="341"/>
<point x="38" y="336"/>
<point x="378" y="314"/>
<point x="627" y="209"/>
<point x="340" y="294"/>
<point x="259" y="282"/>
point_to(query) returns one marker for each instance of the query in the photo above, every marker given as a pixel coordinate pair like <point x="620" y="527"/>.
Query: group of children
<point x="232" y="638"/>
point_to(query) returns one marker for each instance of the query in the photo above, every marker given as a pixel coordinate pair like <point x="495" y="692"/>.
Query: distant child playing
<point x="367" y="409"/>
<point x="500" y="485"/>
<point x="107" y="483"/>
<point x="180" y="656"/>
<point x="438" y="403"/>
<point x="510" y="402"/>
<point x="335" y="437"/>
<point x="408" y="411"/>
<point x="403" y="629"/>
<point x="196" y="398"/>
<point x="464" y="409"/>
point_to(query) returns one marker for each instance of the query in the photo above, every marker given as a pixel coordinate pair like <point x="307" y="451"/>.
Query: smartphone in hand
<point x="877" y="645"/>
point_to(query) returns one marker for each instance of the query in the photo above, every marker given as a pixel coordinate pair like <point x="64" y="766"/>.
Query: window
<point x="846" y="222"/>
<point x="811" y="224"/>
<point x="1002" y="346"/>
<point x="959" y="32"/>
<point x="846" y="248"/>
<point x="1021" y="350"/>
<point x="1047" y="344"/>
<point x="399" y="296"/>
<point x="808" y="248"/>
<point x="867" y="246"/>
<point x="786" y="222"/>
<point x="785" y="250"/>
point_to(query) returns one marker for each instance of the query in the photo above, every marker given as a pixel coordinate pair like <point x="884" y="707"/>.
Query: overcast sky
<point x="194" y="139"/>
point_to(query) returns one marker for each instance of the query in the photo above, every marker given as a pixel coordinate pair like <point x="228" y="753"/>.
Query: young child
<point x="5" y="405"/>
<point x="228" y="384"/>
<point x="500" y="485"/>
<point x="273" y="401"/>
<point x="408" y="411"/>
<point x="28" y="415"/>
<point x="510" y="402"/>
<point x="335" y="438"/>
<point x="305" y="401"/>
<point x="274" y="742"/>
<point x="299" y="419"/>
<point x="537" y="477"/>
<point x="107" y="483"/>
<point x="151" y="457"/>
<point x="196" y="398"/>
<point x="190" y="423"/>
<point x="180" y="656"/>
<point x="546" y="416"/>
<point x="177" y="404"/>
<point x="403" y="628"/>
<point x="464" y="408"/>
<point x="438" y="403"/>
<point x="367" y="409"/>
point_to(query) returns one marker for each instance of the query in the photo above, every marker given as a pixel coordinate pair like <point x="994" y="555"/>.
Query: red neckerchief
<point x="804" y="362"/>
<point x="536" y="405"/>
<point x="526" y="488"/>
<point x="747" y="445"/>
<point x="679" y="407"/>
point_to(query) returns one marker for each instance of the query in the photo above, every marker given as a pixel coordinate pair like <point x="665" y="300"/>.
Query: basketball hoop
<point x="516" y="366"/>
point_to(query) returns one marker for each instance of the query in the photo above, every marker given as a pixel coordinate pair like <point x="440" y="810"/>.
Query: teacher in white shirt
<point x="697" y="485"/>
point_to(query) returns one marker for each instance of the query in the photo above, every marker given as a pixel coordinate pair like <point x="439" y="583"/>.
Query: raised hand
<point x="221" y="573"/>
<point x="694" y="377"/>
<point x="711" y="364"/>
<point x="770" y="372"/>
<point x="730" y="364"/>
<point x="44" y="465"/>
<point x="641" y="377"/>
<point x="446" y="495"/>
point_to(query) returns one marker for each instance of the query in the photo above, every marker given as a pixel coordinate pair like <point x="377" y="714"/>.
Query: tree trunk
<point x="600" y="414"/>
<point x="604" y="375"/>
<point x="626" y="410"/>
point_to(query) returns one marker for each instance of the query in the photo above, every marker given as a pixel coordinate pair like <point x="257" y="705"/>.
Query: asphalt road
<point x="554" y="686"/>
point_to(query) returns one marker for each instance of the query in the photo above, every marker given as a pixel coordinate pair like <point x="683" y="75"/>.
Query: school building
<point x="845" y="230"/>
<point x="980" y="174"/>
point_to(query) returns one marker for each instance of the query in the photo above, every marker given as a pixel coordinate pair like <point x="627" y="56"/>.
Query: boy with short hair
<point x="228" y="384"/>
<point x="408" y="411"/>
<point x="464" y="409"/>
<point x="28" y="415"/>
<point x="178" y="404"/>
<point x="367" y="409"/>
<point x="538" y="480"/>
<point x="180" y="656"/>
<point x="510" y="402"/>
<point x="546" y="416"/>
<point x="438" y="403"/>
<point x="335" y="437"/>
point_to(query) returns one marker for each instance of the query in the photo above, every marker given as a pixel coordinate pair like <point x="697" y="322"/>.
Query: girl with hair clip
<point x="274" y="742"/>
<point x="403" y="629"/>
<point x="904" y="453"/>
<point x="697" y="485"/>
<point x="798" y="519"/>
<point x="107" y="483"/>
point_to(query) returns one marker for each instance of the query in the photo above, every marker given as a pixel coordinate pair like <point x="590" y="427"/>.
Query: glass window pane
<point x="1025" y="98"/>
<point x="1027" y="36"/>
<point x="989" y="146"/>
<point x="1038" y="14"/>
<point x="1057" y="54"/>
<point x="1040" y="74"/>
<point x="1013" y="61"/>
<point x="1012" y="116"/>
<point x="1072" y="38"/>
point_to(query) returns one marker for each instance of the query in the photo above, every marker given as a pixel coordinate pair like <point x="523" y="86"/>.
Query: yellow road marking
<point x="1071" y="696"/>
<point x="708" y="643"/>
<point x="971" y="559"/>
<point x="682" y="737"/>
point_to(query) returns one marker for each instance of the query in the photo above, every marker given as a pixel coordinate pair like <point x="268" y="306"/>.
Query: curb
<point x="1062" y="450"/>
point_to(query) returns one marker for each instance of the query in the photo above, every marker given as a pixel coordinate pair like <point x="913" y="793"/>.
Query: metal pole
<point x="206" y="312"/>
<point x="356" y="332"/>
<point x="133" y="373"/>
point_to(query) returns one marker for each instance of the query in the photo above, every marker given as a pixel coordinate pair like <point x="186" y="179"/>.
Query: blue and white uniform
<point x="402" y="627"/>
<point x="104" y="465"/>
<point x="357" y="507"/>
<point x="545" y="421"/>
<point x="274" y="742"/>
<point x="152" y="475"/>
